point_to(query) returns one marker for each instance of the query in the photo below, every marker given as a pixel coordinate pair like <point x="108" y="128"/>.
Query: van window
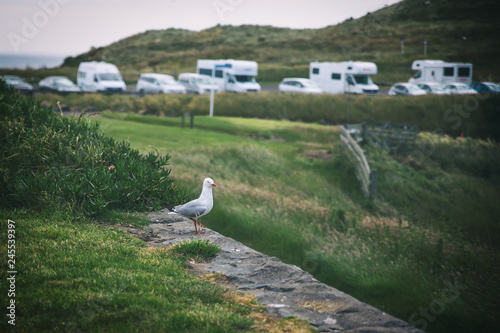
<point x="315" y="70"/>
<point x="336" y="76"/>
<point x="219" y="73"/>
<point x="205" y="71"/>
<point x="109" y="77"/>
<point x="448" y="71"/>
<point x="463" y="71"/>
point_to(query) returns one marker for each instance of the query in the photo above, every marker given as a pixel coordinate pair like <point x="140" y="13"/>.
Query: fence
<point x="394" y="137"/>
<point x="350" y="135"/>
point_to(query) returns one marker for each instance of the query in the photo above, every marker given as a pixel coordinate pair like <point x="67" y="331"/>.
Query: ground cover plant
<point x="287" y="189"/>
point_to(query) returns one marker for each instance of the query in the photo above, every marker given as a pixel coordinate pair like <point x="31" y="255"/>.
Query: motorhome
<point x="99" y="76"/>
<point x="231" y="75"/>
<point x="344" y="77"/>
<point x="441" y="72"/>
<point x="197" y="83"/>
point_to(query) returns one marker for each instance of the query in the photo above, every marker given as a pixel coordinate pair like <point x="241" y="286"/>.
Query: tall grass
<point x="398" y="253"/>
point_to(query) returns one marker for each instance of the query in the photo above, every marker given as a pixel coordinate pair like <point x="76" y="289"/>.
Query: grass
<point x="199" y="250"/>
<point x="82" y="276"/>
<point x="430" y="230"/>
<point x="74" y="273"/>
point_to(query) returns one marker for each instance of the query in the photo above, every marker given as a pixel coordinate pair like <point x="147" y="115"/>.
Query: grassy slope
<point x="283" y="52"/>
<point x="393" y="253"/>
<point x="74" y="274"/>
<point x="82" y="276"/>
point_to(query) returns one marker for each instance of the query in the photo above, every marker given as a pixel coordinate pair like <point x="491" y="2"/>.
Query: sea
<point x="24" y="61"/>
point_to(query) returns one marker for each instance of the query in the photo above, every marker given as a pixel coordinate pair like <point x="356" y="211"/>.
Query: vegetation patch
<point x="199" y="249"/>
<point x="48" y="160"/>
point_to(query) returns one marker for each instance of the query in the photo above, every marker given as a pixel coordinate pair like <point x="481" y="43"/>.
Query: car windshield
<point x="205" y="80"/>
<point x="110" y="77"/>
<point x="461" y="87"/>
<point x="64" y="83"/>
<point x="309" y="84"/>
<point x="245" y="78"/>
<point x="13" y="80"/>
<point x="167" y="81"/>
<point x="363" y="79"/>
<point x="436" y="87"/>
<point x="413" y="88"/>
<point x="492" y="86"/>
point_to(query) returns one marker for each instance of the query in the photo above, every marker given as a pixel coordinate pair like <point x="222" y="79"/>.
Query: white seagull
<point x="195" y="209"/>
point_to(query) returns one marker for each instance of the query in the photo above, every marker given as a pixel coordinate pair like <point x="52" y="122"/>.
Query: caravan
<point x="441" y="72"/>
<point x="344" y="77"/>
<point x="231" y="75"/>
<point x="99" y="76"/>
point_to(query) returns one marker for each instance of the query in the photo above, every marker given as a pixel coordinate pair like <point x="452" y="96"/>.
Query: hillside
<point x="455" y="31"/>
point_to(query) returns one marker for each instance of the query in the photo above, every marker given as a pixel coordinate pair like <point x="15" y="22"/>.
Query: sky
<point x="72" y="27"/>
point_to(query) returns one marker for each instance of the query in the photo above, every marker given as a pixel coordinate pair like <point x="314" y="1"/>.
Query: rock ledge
<point x="284" y="289"/>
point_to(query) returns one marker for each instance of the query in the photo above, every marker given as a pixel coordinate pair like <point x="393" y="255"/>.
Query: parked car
<point x="150" y="83"/>
<point x="58" y="84"/>
<point x="299" y="85"/>
<point x="198" y="83"/>
<point x="486" y="87"/>
<point x="433" y="88"/>
<point x="17" y="83"/>
<point x="406" y="89"/>
<point x="459" y="89"/>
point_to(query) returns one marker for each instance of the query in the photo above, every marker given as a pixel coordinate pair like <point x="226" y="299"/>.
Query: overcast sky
<point x="71" y="27"/>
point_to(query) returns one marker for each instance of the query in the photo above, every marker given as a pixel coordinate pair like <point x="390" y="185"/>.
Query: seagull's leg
<point x="201" y="225"/>
<point x="195" y="228"/>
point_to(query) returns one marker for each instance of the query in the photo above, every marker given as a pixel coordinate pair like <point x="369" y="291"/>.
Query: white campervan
<point x="197" y="84"/>
<point x="441" y="72"/>
<point x="99" y="76"/>
<point x="344" y="77"/>
<point x="231" y="75"/>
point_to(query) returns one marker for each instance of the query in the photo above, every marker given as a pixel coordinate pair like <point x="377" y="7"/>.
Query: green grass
<point x="429" y="230"/>
<point x="87" y="277"/>
<point x="199" y="250"/>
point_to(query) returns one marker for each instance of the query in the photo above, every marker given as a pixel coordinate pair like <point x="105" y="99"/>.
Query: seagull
<point x="195" y="209"/>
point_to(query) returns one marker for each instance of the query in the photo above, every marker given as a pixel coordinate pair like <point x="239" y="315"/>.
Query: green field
<point x="433" y="230"/>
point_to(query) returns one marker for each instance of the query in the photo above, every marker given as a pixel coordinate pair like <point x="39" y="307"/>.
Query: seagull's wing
<point x="191" y="209"/>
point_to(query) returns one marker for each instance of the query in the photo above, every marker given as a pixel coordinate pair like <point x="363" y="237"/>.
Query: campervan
<point x="352" y="77"/>
<point x="441" y="72"/>
<point x="99" y="76"/>
<point x="197" y="83"/>
<point x="231" y="75"/>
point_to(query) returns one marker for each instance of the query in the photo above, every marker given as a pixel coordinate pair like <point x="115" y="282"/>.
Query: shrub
<point x="47" y="160"/>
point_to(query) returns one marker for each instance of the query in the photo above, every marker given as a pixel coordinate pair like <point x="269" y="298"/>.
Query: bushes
<point x="51" y="161"/>
<point x="449" y="114"/>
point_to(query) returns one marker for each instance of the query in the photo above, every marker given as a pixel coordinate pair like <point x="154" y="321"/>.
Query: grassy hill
<point x="455" y="30"/>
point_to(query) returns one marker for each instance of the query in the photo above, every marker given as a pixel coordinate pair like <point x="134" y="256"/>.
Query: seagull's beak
<point x="215" y="185"/>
